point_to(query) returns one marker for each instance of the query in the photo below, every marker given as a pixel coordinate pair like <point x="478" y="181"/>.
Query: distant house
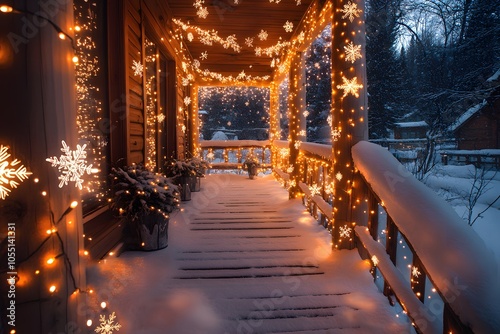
<point x="479" y="127"/>
<point x="410" y="130"/>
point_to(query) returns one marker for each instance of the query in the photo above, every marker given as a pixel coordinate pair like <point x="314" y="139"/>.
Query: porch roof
<point x="245" y="20"/>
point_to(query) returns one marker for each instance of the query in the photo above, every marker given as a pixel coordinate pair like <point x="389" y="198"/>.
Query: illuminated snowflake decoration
<point x="187" y="100"/>
<point x="298" y="2"/>
<point x="350" y="86"/>
<point x="204" y="55"/>
<point x="249" y="42"/>
<point x="336" y="134"/>
<point x="241" y="76"/>
<point x="72" y="165"/>
<point x="190" y="36"/>
<point x="345" y="231"/>
<point x="315" y="189"/>
<point x="10" y="173"/>
<point x="297" y="144"/>
<point x="415" y="272"/>
<point x="301" y="37"/>
<point x="263" y="35"/>
<point x="290" y="169"/>
<point x="196" y="63"/>
<point x="288" y="26"/>
<point x="339" y="176"/>
<point x="306" y="113"/>
<point x="201" y="11"/>
<point x="352" y="52"/>
<point x="161" y="118"/>
<point x="210" y="156"/>
<point x="184" y="129"/>
<point x="302" y="132"/>
<point x="258" y="51"/>
<point x="185" y="81"/>
<point x="350" y="11"/>
<point x="375" y="260"/>
<point x="107" y="326"/>
<point x="138" y="68"/>
<point x="329" y="189"/>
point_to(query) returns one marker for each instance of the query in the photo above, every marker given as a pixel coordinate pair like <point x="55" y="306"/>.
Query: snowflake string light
<point x="345" y="231"/>
<point x="375" y="260"/>
<point x="258" y="51"/>
<point x="306" y="113"/>
<point x="204" y="55"/>
<point x="351" y="11"/>
<point x="210" y="155"/>
<point x="415" y="272"/>
<point x="107" y="326"/>
<point x="196" y="63"/>
<point x="187" y="100"/>
<point x="339" y="176"/>
<point x="297" y="144"/>
<point x="352" y="52"/>
<point x="190" y="36"/>
<point x="301" y="37"/>
<point x="350" y="86"/>
<point x="288" y="26"/>
<point x="10" y="173"/>
<point x="329" y="188"/>
<point x="138" y="68"/>
<point x="72" y="165"/>
<point x="302" y="132"/>
<point x="336" y="134"/>
<point x="249" y="42"/>
<point x="263" y="35"/>
<point x="290" y="169"/>
<point x="298" y="2"/>
<point x="184" y="129"/>
<point x="185" y="81"/>
<point x="315" y="189"/>
<point x="161" y="118"/>
<point x="329" y="120"/>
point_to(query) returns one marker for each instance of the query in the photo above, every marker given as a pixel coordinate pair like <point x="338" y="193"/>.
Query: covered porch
<point x="116" y="83"/>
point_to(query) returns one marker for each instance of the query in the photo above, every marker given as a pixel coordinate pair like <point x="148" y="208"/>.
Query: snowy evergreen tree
<point x="383" y="70"/>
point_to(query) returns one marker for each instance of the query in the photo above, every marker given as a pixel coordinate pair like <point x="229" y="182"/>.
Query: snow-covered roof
<point x="466" y="116"/>
<point x="411" y="124"/>
<point x="457" y="260"/>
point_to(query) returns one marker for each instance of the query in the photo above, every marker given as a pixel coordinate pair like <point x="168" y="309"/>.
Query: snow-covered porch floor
<point x="242" y="258"/>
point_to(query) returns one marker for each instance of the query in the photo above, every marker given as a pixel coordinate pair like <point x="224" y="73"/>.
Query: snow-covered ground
<point x="454" y="183"/>
<point x="242" y="258"/>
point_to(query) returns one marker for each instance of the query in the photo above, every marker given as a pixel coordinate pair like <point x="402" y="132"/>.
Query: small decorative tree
<point x="144" y="199"/>
<point x="251" y="163"/>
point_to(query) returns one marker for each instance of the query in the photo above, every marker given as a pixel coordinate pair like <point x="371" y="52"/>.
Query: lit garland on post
<point x="348" y="118"/>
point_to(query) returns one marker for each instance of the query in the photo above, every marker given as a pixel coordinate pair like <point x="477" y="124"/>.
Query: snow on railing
<point x="452" y="254"/>
<point x="230" y="154"/>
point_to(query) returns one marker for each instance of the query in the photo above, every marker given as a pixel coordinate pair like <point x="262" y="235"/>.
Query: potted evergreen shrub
<point x="183" y="173"/>
<point x="144" y="200"/>
<point x="251" y="163"/>
<point x="200" y="166"/>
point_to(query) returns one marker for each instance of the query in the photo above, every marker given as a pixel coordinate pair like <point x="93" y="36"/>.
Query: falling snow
<point x="72" y="165"/>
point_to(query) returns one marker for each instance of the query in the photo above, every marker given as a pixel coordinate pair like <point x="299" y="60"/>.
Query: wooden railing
<point x="400" y="228"/>
<point x="230" y="154"/>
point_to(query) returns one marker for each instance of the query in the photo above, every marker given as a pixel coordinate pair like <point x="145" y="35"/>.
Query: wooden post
<point x="349" y="118"/>
<point x="296" y="105"/>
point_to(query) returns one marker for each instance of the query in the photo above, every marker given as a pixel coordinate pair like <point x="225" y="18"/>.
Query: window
<point x="91" y="92"/>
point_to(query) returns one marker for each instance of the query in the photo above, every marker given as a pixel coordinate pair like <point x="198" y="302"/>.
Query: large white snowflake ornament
<point x="10" y="173"/>
<point x="138" y="68"/>
<point x="161" y="118"/>
<point x="72" y="165"/>
<point x="249" y="42"/>
<point x="107" y="326"/>
<point x="350" y="86"/>
<point x="352" y="52"/>
<point x="350" y="11"/>
<point x="339" y="176"/>
<point x="315" y="189"/>
<point x="187" y="100"/>
<point x="345" y="231"/>
<point x="415" y="272"/>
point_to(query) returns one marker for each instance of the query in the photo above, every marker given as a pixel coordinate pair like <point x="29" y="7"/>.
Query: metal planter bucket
<point x="154" y="238"/>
